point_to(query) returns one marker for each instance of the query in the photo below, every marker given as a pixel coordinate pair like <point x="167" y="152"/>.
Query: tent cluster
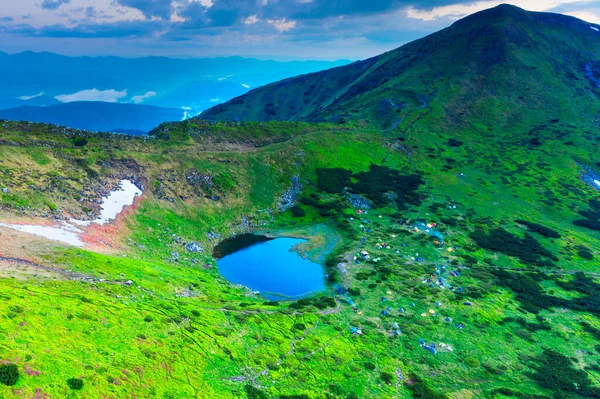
<point x="355" y="331"/>
<point x="442" y="277"/>
<point x="439" y="279"/>
<point x="433" y="348"/>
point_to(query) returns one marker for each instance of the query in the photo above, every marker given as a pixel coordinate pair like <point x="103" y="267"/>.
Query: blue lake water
<point x="273" y="269"/>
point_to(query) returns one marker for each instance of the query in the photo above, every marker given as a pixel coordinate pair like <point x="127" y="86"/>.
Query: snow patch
<point x="62" y="233"/>
<point x="68" y="232"/>
<point x="113" y="205"/>
<point x="594" y="28"/>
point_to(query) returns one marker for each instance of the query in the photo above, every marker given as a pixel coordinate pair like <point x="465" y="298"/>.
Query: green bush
<point x="388" y="378"/>
<point x="75" y="383"/>
<point x="528" y="249"/>
<point x="420" y="389"/>
<point x="556" y="372"/>
<point x="9" y="374"/>
<point x="333" y="180"/>
<point x="298" y="211"/>
<point x="255" y="393"/>
<point x="80" y="141"/>
<point x="538" y="228"/>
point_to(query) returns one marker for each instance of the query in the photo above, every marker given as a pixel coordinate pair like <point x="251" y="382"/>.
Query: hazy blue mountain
<point x="166" y="82"/>
<point x="97" y="116"/>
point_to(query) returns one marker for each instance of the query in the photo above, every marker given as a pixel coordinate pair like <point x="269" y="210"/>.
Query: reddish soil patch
<point x="101" y="237"/>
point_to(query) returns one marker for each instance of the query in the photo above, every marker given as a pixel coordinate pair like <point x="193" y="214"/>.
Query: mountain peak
<point x="492" y="51"/>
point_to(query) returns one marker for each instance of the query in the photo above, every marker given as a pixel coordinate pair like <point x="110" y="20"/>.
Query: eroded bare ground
<point x="22" y="257"/>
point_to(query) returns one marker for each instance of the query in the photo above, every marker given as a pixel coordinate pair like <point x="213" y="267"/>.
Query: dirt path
<point x="27" y="264"/>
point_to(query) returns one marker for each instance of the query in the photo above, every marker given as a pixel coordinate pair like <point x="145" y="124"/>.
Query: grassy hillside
<point x="489" y="68"/>
<point x="505" y="184"/>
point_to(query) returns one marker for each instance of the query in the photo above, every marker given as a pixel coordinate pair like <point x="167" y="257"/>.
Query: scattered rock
<point x="174" y="256"/>
<point x="213" y="236"/>
<point x="193" y="247"/>
<point x="195" y="178"/>
<point x="290" y="196"/>
<point x="357" y="201"/>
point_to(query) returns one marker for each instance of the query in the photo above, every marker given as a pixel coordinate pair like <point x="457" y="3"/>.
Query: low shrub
<point x="75" y="383"/>
<point x="9" y="374"/>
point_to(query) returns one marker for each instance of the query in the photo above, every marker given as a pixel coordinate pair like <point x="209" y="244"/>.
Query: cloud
<point x="188" y="28"/>
<point x="215" y="100"/>
<point x="140" y="99"/>
<point x="6" y="19"/>
<point x="282" y="25"/>
<point x="26" y="98"/>
<point x="125" y="29"/>
<point x="109" y="96"/>
<point x="53" y="4"/>
<point x="460" y="10"/>
<point x="252" y="19"/>
<point x="245" y="86"/>
<point x="151" y="8"/>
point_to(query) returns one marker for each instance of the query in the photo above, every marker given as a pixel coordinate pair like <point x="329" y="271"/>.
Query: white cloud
<point x="245" y="85"/>
<point x="175" y="18"/>
<point x="457" y="11"/>
<point x="206" y="3"/>
<point x="75" y="12"/>
<point x="26" y="98"/>
<point x="224" y="78"/>
<point x="252" y="19"/>
<point x="186" y="108"/>
<point x="215" y="100"/>
<point x="282" y="24"/>
<point x="140" y="99"/>
<point x="109" y="96"/>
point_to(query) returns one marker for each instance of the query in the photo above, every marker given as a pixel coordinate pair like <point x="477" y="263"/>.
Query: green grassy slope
<point x="500" y="175"/>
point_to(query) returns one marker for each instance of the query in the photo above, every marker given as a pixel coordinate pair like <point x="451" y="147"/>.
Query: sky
<point x="268" y="29"/>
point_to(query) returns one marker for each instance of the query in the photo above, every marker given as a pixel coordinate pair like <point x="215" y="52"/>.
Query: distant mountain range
<point x="191" y="85"/>
<point x="97" y="116"/>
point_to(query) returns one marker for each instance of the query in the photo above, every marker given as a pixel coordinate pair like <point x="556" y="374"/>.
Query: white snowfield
<point x="69" y="232"/>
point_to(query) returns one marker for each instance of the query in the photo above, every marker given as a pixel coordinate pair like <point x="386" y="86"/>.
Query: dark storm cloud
<point x="53" y="4"/>
<point x="232" y="12"/>
<point x="150" y="8"/>
<point x="315" y="20"/>
<point x="220" y="25"/>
